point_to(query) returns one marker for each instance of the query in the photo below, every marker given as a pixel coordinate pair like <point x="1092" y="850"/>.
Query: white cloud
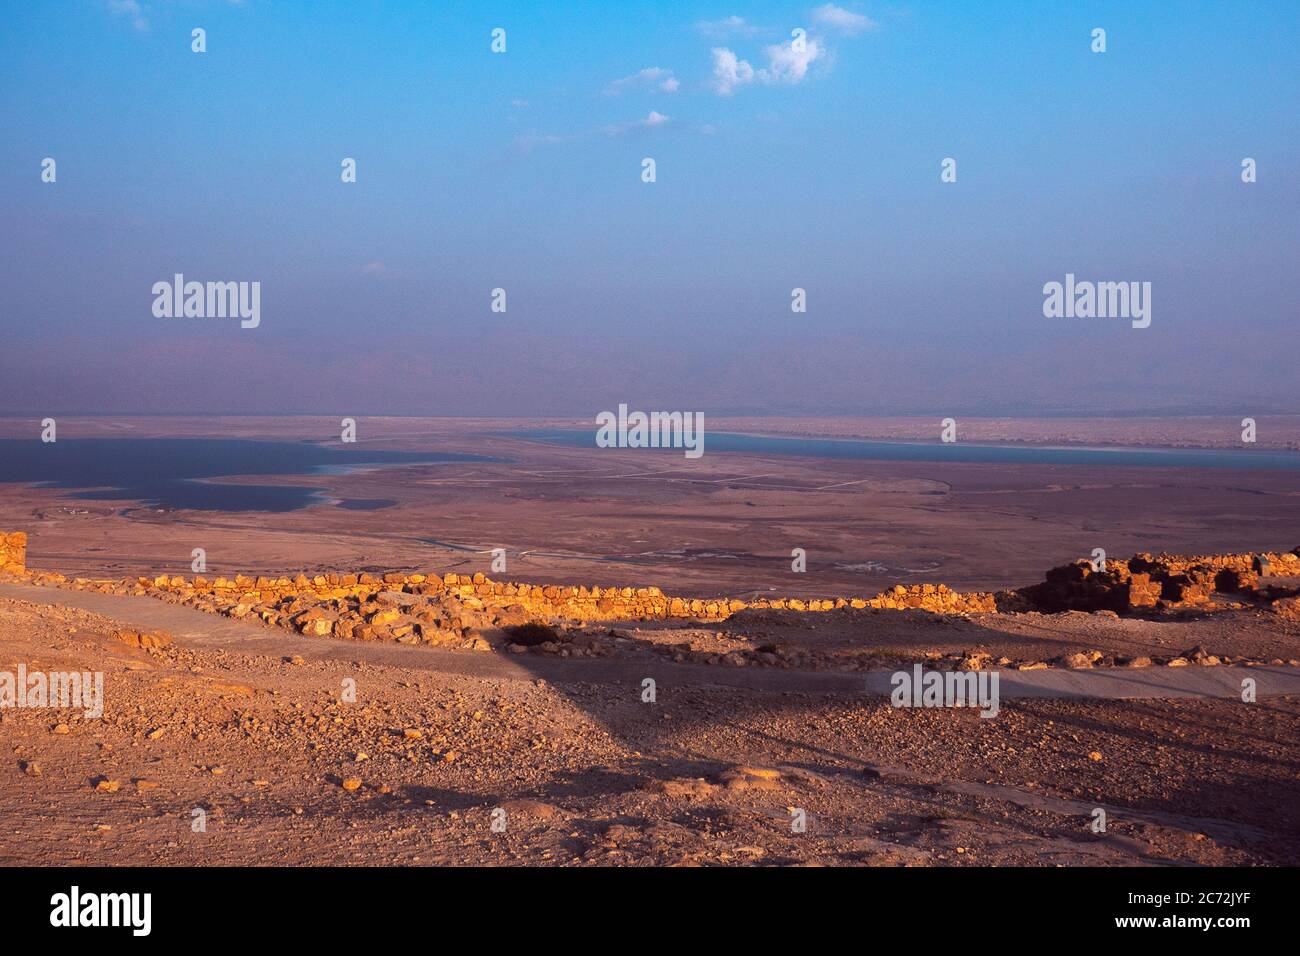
<point x="729" y="71"/>
<point x="131" y="9"/>
<point x="785" y="65"/>
<point x="726" y="27"/>
<point x="841" y="20"/>
<point x="652" y="120"/>
<point x="788" y="65"/>
<point x="519" y="104"/>
<point x="652" y="77"/>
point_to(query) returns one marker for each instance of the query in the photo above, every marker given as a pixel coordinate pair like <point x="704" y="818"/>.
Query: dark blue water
<point x="175" y="472"/>
<point x="956" y="451"/>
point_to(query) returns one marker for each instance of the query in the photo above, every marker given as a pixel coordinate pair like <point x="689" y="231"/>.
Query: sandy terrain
<point x="724" y="524"/>
<point x="248" y="725"/>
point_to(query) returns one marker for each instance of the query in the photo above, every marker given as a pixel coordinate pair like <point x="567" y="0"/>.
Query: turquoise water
<point x="177" y="472"/>
<point x="1245" y="458"/>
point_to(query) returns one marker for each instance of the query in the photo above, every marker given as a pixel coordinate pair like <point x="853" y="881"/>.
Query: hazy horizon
<point x="776" y="170"/>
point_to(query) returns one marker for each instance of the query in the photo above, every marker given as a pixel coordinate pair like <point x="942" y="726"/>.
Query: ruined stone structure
<point x="397" y="605"/>
<point x="1145" y="582"/>
<point x="13" y="552"/>
<point x="454" y="608"/>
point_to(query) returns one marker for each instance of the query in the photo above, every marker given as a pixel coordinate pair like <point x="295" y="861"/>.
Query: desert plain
<point x="768" y="739"/>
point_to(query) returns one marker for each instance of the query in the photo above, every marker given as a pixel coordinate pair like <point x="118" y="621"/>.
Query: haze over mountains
<point x="521" y="171"/>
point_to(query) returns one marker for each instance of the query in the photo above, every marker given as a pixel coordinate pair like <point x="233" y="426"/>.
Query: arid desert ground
<point x="722" y="524"/>
<point x="235" y="730"/>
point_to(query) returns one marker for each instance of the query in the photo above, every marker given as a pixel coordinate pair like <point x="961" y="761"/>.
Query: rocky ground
<point x="869" y="639"/>
<point x="1173" y="611"/>
<point x="254" y="737"/>
<point x="723" y="524"/>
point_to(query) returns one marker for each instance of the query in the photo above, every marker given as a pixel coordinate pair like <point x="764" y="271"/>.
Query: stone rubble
<point x="473" y="612"/>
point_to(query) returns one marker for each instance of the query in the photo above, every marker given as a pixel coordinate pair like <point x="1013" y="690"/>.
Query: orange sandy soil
<point x="589" y="774"/>
<point x="870" y="639"/>
<point x="724" y="524"/>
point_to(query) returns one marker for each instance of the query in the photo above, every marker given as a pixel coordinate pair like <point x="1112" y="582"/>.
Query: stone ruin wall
<point x="1145" y="581"/>
<point x="433" y="608"/>
<point x="13" y="552"/>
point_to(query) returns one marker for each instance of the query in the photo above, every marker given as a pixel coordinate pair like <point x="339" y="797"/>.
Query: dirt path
<point x="198" y="629"/>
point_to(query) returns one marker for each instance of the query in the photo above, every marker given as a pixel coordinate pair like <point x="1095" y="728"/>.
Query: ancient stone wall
<point x="1146" y="581"/>
<point x="452" y="608"/>
<point x="13" y="552"/>
<point x="571" y="602"/>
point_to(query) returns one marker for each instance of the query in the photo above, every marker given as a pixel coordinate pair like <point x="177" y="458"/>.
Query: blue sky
<point x="522" y="170"/>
